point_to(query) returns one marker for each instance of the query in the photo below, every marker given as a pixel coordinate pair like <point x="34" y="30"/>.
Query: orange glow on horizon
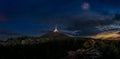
<point x="107" y="35"/>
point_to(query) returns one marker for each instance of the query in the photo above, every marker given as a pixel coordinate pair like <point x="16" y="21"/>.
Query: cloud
<point x="90" y="24"/>
<point x="5" y="34"/>
<point x="113" y="26"/>
<point x="3" y="17"/>
<point x="8" y="33"/>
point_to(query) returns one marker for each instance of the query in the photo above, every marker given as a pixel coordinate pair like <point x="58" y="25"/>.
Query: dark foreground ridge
<point x="67" y="48"/>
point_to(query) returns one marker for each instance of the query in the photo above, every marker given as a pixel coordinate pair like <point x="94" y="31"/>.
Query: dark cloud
<point x="87" y="26"/>
<point x="5" y="34"/>
<point x="9" y="33"/>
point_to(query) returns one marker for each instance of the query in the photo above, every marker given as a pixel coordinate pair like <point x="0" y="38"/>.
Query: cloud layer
<point x="88" y="25"/>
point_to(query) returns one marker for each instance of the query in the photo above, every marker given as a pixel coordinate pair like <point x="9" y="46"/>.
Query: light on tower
<point x="55" y="30"/>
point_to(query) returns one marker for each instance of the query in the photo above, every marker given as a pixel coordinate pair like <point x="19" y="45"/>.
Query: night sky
<point x="78" y="17"/>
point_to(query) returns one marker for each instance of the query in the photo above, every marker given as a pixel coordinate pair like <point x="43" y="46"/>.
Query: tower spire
<point x="56" y="29"/>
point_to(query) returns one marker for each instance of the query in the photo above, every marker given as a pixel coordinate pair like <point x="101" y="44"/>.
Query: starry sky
<point x="77" y="17"/>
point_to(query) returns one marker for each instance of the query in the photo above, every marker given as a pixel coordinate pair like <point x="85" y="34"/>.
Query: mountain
<point x="52" y="34"/>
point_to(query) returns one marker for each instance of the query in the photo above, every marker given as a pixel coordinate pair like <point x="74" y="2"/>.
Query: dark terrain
<point x="57" y="49"/>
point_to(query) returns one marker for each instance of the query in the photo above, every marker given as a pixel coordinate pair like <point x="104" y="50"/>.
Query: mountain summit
<point x="55" y="34"/>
